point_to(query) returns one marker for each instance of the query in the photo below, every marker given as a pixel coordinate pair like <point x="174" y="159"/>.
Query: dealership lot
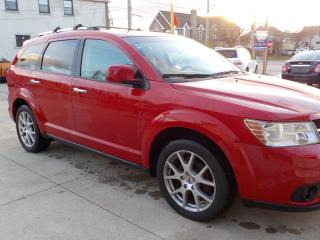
<point x="64" y="193"/>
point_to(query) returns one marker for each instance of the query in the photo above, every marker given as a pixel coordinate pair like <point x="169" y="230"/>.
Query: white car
<point x="240" y="57"/>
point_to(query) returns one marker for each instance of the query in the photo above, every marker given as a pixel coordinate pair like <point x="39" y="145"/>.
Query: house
<point x="21" y="19"/>
<point x="309" y="37"/>
<point x="222" y="32"/>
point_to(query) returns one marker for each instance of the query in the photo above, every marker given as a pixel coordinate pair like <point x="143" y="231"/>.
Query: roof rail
<point x="81" y="27"/>
<point x="59" y="29"/>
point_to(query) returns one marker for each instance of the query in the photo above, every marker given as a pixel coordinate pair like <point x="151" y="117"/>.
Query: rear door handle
<point x="79" y="90"/>
<point x="34" y="81"/>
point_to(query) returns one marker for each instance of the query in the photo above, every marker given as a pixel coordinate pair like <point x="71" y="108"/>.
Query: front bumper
<point x="275" y="176"/>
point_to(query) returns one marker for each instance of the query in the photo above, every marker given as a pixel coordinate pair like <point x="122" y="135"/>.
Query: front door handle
<point x="79" y="90"/>
<point x="34" y="81"/>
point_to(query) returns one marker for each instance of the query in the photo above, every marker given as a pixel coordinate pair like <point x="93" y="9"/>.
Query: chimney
<point x="194" y="24"/>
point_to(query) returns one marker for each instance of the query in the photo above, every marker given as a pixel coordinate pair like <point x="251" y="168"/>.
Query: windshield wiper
<point x="186" y="75"/>
<point x="198" y="75"/>
<point x="226" y="73"/>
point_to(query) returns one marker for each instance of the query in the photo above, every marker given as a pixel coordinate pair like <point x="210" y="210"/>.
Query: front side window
<point x="68" y="7"/>
<point x="44" y="6"/>
<point x="20" y="39"/>
<point x="11" y="5"/>
<point x="30" y="57"/>
<point x="58" y="57"/>
<point x="98" y="55"/>
<point x="181" y="56"/>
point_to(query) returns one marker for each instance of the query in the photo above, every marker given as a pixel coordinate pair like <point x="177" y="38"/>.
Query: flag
<point x="173" y="18"/>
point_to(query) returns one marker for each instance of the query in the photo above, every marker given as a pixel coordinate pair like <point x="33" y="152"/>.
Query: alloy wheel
<point x="189" y="181"/>
<point x="26" y="129"/>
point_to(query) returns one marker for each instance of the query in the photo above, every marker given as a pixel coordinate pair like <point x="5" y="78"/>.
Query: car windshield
<point x="178" y="57"/>
<point x="306" y="55"/>
<point x="228" y="53"/>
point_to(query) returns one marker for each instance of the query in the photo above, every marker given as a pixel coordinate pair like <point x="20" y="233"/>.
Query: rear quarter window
<point x="30" y="57"/>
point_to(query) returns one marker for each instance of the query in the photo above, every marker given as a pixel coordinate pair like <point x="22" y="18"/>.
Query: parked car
<point x="4" y="65"/>
<point x="205" y="128"/>
<point x="240" y="57"/>
<point x="304" y="67"/>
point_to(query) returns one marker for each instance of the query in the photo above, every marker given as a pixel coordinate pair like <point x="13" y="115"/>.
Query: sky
<point x="287" y="15"/>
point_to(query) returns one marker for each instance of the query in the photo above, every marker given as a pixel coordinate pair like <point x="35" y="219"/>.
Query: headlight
<point x="276" y="134"/>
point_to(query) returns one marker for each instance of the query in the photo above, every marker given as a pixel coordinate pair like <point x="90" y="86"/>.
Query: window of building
<point x="20" y="39"/>
<point x="44" y="6"/>
<point x="200" y="35"/>
<point x="30" y="57"/>
<point x="98" y="55"/>
<point x="11" y="5"/>
<point x="68" y="7"/>
<point x="58" y="57"/>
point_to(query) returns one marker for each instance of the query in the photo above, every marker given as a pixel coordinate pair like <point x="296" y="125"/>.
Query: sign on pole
<point x="261" y="40"/>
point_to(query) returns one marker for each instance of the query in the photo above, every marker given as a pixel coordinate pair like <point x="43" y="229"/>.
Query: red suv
<point x="206" y="129"/>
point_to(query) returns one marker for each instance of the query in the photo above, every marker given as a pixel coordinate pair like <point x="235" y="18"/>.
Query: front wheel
<point x="28" y="131"/>
<point x="193" y="181"/>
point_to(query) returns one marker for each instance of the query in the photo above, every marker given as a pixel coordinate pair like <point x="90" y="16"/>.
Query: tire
<point x="174" y="184"/>
<point x="34" y="142"/>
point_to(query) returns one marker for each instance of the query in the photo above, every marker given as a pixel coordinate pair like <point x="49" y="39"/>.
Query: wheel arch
<point x="25" y="97"/>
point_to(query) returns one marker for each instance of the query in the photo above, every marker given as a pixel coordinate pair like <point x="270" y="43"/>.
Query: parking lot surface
<point x="64" y="193"/>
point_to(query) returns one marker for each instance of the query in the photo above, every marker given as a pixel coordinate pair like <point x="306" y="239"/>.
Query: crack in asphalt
<point x="74" y="193"/>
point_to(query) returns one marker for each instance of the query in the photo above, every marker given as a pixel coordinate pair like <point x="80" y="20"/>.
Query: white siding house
<point x="22" y="19"/>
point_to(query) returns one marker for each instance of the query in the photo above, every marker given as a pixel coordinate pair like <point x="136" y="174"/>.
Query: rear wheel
<point x="28" y="131"/>
<point x="193" y="181"/>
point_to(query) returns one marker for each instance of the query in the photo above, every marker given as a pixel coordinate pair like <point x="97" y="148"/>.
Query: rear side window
<point x="30" y="57"/>
<point x="228" y="53"/>
<point x="98" y="55"/>
<point x="58" y="57"/>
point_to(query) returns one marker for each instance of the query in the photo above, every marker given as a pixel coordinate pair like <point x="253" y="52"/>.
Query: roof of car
<point x="122" y="33"/>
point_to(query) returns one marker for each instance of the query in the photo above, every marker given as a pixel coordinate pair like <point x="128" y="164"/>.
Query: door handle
<point x="34" y="81"/>
<point x="79" y="90"/>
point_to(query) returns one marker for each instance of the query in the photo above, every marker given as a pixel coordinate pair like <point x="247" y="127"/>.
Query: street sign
<point x="261" y="40"/>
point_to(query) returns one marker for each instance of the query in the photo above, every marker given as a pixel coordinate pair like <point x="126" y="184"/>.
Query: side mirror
<point x="123" y="74"/>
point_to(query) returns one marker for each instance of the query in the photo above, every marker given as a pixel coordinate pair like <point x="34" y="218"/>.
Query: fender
<point x="200" y="122"/>
<point x="30" y="99"/>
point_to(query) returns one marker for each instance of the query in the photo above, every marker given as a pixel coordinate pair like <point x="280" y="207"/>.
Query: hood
<point x="260" y="92"/>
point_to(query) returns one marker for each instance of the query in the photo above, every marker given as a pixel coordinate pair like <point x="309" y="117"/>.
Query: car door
<point x="53" y="83"/>
<point x="107" y="115"/>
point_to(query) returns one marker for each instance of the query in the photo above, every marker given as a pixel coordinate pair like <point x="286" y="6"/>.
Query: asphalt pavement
<point x="64" y="193"/>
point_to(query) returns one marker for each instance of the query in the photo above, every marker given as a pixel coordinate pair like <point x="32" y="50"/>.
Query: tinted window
<point x="228" y="53"/>
<point x="98" y="56"/>
<point x="58" y="57"/>
<point x="306" y="55"/>
<point x="30" y="56"/>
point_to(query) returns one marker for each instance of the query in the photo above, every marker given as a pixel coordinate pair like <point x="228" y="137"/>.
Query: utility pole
<point x="266" y="53"/>
<point x="253" y="32"/>
<point x="107" y="14"/>
<point x="207" y="23"/>
<point x="129" y="15"/>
